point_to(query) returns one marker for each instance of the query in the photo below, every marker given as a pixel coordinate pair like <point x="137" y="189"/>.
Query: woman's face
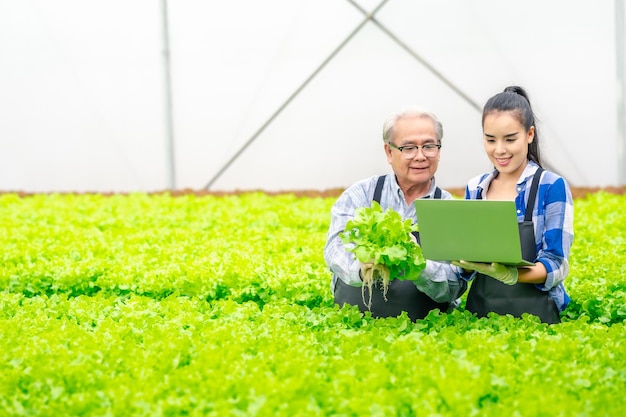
<point x="506" y="142"/>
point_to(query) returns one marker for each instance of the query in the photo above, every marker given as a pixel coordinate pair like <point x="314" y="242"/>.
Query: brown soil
<point x="577" y="192"/>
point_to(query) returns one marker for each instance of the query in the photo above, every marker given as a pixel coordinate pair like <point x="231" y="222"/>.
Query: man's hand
<point x="371" y="272"/>
<point x="367" y="269"/>
<point x="503" y="273"/>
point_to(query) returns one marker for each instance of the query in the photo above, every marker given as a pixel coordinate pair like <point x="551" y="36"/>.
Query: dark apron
<point x="487" y="294"/>
<point x="401" y="295"/>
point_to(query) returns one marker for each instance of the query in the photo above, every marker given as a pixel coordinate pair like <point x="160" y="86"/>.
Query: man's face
<point x="418" y="170"/>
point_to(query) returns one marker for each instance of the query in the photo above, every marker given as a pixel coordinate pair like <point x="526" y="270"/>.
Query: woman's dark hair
<point x="514" y="99"/>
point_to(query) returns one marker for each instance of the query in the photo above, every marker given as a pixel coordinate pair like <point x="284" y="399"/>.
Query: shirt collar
<point x="528" y="172"/>
<point x="400" y="194"/>
<point x="431" y="191"/>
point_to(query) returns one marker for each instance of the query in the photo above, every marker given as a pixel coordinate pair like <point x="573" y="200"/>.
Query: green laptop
<point x="471" y="230"/>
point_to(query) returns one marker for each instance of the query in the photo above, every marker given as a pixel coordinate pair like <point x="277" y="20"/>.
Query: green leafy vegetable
<point x="383" y="239"/>
<point x="119" y="306"/>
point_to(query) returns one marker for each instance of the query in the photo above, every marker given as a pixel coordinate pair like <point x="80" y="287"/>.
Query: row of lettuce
<point x="153" y="305"/>
<point x="105" y="355"/>
<point x="248" y="247"/>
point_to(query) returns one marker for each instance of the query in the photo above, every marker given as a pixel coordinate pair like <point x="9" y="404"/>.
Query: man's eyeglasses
<point x="410" y="151"/>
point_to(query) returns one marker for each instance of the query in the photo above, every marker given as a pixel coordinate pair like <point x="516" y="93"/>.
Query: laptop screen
<point x="471" y="230"/>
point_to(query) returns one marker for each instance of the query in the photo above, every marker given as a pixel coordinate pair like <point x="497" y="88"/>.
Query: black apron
<point x="487" y="294"/>
<point x="401" y="295"/>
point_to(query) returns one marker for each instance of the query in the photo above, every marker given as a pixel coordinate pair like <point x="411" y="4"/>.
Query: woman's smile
<point x="503" y="161"/>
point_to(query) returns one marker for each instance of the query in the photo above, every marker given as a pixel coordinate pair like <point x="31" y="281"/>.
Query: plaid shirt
<point x="440" y="281"/>
<point x="553" y="220"/>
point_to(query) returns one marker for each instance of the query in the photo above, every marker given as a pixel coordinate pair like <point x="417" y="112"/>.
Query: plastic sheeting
<point x="83" y="101"/>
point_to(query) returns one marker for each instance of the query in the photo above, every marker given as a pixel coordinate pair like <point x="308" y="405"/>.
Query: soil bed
<point x="577" y="192"/>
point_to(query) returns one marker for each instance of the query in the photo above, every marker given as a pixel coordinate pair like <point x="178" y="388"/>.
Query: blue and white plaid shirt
<point x="440" y="281"/>
<point x="553" y="220"/>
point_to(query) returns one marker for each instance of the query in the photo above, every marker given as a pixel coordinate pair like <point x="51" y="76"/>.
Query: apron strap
<point x="378" y="191"/>
<point x="530" y="205"/>
<point x="531" y="196"/>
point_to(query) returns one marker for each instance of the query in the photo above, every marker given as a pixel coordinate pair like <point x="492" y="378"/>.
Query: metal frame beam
<point x="368" y="17"/>
<point x="169" y="118"/>
<point x="421" y="60"/>
<point x="620" y="48"/>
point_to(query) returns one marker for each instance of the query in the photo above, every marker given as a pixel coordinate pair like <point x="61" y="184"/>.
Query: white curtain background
<point x="83" y="98"/>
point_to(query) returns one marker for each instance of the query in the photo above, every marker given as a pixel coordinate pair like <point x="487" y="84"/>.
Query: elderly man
<point x="412" y="142"/>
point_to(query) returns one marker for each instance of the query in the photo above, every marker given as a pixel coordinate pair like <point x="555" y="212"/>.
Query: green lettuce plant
<point x="161" y="305"/>
<point x="383" y="239"/>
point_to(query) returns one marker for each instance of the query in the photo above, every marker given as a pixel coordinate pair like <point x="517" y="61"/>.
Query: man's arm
<point x="341" y="262"/>
<point x="441" y="281"/>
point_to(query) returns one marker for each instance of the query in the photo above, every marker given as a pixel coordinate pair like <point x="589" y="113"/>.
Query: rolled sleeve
<point x="558" y="235"/>
<point x="557" y="271"/>
<point x="341" y="262"/>
<point x="441" y="282"/>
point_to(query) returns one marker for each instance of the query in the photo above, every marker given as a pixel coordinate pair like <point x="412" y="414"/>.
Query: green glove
<point x="503" y="273"/>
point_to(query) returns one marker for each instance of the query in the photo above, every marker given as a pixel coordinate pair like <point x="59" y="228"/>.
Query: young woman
<point x="544" y="209"/>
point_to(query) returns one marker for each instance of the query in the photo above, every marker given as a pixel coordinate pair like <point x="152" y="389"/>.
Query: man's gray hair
<point x="411" y="113"/>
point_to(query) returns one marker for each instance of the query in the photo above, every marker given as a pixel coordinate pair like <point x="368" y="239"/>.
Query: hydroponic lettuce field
<point x="161" y="305"/>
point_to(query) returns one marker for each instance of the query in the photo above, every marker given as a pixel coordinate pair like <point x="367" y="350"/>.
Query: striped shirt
<point x="440" y="281"/>
<point x="553" y="220"/>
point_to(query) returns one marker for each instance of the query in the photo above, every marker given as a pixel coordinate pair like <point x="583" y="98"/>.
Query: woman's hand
<point x="503" y="273"/>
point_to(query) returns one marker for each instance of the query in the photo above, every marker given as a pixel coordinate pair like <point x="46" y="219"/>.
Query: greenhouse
<point x="170" y="173"/>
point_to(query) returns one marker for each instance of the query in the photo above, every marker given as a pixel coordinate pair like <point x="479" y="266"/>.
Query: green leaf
<point x="384" y="238"/>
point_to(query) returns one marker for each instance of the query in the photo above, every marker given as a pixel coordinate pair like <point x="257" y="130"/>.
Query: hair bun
<point x="514" y="89"/>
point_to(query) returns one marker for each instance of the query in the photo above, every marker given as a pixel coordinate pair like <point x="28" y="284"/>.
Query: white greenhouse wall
<point x="82" y="92"/>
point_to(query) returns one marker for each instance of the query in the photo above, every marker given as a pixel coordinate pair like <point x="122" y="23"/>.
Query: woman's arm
<point x="532" y="275"/>
<point x="557" y="236"/>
